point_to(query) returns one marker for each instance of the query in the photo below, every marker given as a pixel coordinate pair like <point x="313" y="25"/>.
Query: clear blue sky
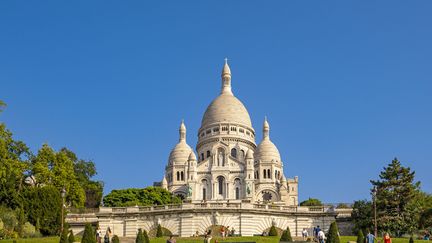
<point x="347" y="85"/>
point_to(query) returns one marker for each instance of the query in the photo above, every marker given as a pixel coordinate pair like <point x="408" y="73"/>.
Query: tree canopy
<point x="140" y="197"/>
<point x="311" y="202"/>
<point x="395" y="193"/>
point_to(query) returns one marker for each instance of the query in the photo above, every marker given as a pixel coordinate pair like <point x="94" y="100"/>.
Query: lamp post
<point x="63" y="195"/>
<point x="374" y="192"/>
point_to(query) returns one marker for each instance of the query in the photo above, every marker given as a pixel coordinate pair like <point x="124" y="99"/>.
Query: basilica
<point x="228" y="164"/>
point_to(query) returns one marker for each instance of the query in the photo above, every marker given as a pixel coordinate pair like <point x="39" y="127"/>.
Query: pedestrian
<point x="387" y="238"/>
<point x="305" y="234"/>
<point x="99" y="235"/>
<point x="107" y="237"/>
<point x="171" y="239"/>
<point x="222" y="231"/>
<point x="370" y="238"/>
<point x="321" y="236"/>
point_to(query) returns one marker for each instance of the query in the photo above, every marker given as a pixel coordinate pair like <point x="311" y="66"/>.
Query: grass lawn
<point x="258" y="239"/>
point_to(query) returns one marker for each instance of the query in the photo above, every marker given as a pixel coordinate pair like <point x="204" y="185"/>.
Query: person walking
<point x="99" y="235"/>
<point x="370" y="238"/>
<point x="305" y="234"/>
<point x="387" y="238"/>
<point x="321" y="236"/>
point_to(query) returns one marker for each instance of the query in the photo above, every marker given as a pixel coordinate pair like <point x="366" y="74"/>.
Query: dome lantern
<point x="226" y="79"/>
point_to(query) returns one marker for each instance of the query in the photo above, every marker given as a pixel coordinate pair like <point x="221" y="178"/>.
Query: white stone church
<point x="229" y="166"/>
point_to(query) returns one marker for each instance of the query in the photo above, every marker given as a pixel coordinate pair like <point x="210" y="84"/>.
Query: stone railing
<point x="218" y="205"/>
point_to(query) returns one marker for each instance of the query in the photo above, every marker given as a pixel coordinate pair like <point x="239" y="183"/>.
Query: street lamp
<point x="374" y="192"/>
<point x="63" y="195"/>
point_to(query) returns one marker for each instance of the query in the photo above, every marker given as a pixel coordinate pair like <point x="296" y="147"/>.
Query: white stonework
<point x="232" y="182"/>
<point x="230" y="166"/>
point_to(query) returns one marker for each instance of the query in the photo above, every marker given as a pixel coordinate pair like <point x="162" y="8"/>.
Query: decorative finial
<point x="226" y="78"/>
<point x="182" y="131"/>
<point x="266" y="129"/>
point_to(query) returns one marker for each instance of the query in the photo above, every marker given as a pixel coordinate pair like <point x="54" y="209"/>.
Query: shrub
<point x="71" y="237"/>
<point x="64" y="235"/>
<point x="360" y="237"/>
<point x="333" y="236"/>
<point x="286" y="235"/>
<point x="140" y="237"/>
<point x="146" y="237"/>
<point x="115" y="239"/>
<point x="411" y="240"/>
<point x="273" y="231"/>
<point x="159" y="231"/>
<point x="28" y="230"/>
<point x="89" y="235"/>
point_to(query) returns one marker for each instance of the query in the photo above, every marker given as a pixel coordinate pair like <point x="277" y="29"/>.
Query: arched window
<point x="182" y="175"/>
<point x="208" y="153"/>
<point x="268" y="174"/>
<point x="202" y="156"/>
<point x="234" y="153"/>
<point x="204" y="194"/>
<point x="237" y="193"/>
<point x="242" y="154"/>
<point x="178" y="175"/>
<point x="265" y="173"/>
<point x="276" y="173"/>
<point x="204" y="189"/>
<point x="220" y="184"/>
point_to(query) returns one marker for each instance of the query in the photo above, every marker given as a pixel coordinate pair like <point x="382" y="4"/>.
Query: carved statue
<point x="189" y="194"/>
<point x="248" y="188"/>
<point x="220" y="159"/>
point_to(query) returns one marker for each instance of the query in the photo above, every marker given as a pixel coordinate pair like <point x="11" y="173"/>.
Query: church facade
<point x="228" y="164"/>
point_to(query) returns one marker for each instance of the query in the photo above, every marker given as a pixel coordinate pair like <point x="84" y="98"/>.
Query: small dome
<point x="267" y="151"/>
<point x="226" y="108"/>
<point x="192" y="157"/>
<point x="249" y="154"/>
<point x="180" y="153"/>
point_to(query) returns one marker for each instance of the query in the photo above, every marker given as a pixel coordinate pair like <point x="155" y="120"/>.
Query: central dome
<point x="226" y="108"/>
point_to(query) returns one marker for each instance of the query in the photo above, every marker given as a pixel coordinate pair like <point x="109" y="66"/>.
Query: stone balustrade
<point x="217" y="205"/>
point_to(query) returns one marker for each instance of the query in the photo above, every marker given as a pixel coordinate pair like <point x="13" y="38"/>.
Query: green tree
<point x="84" y="171"/>
<point x="273" y="231"/>
<point x="71" y="238"/>
<point x="89" y="235"/>
<point x="57" y="169"/>
<point x="141" y="197"/>
<point x="14" y="157"/>
<point x="360" y="236"/>
<point x="362" y="215"/>
<point x="333" y="234"/>
<point x="2" y="105"/>
<point x="286" y="235"/>
<point x="115" y="239"/>
<point x="140" y="237"/>
<point x="396" y="190"/>
<point x="311" y="202"/>
<point x="146" y="237"/>
<point x="43" y="207"/>
<point x="159" y="231"/>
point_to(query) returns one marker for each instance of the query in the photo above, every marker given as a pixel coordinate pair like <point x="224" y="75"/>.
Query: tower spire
<point x="266" y="129"/>
<point x="182" y="132"/>
<point x="226" y="78"/>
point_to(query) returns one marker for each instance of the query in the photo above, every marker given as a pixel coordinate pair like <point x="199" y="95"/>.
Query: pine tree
<point x="286" y="235"/>
<point x="159" y="231"/>
<point x="333" y="235"/>
<point x="146" y="237"/>
<point x="140" y="237"/>
<point x="64" y="235"/>
<point x="360" y="237"/>
<point x="71" y="237"/>
<point x="115" y="239"/>
<point x="273" y="231"/>
<point x="89" y="235"/>
<point x="395" y="192"/>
